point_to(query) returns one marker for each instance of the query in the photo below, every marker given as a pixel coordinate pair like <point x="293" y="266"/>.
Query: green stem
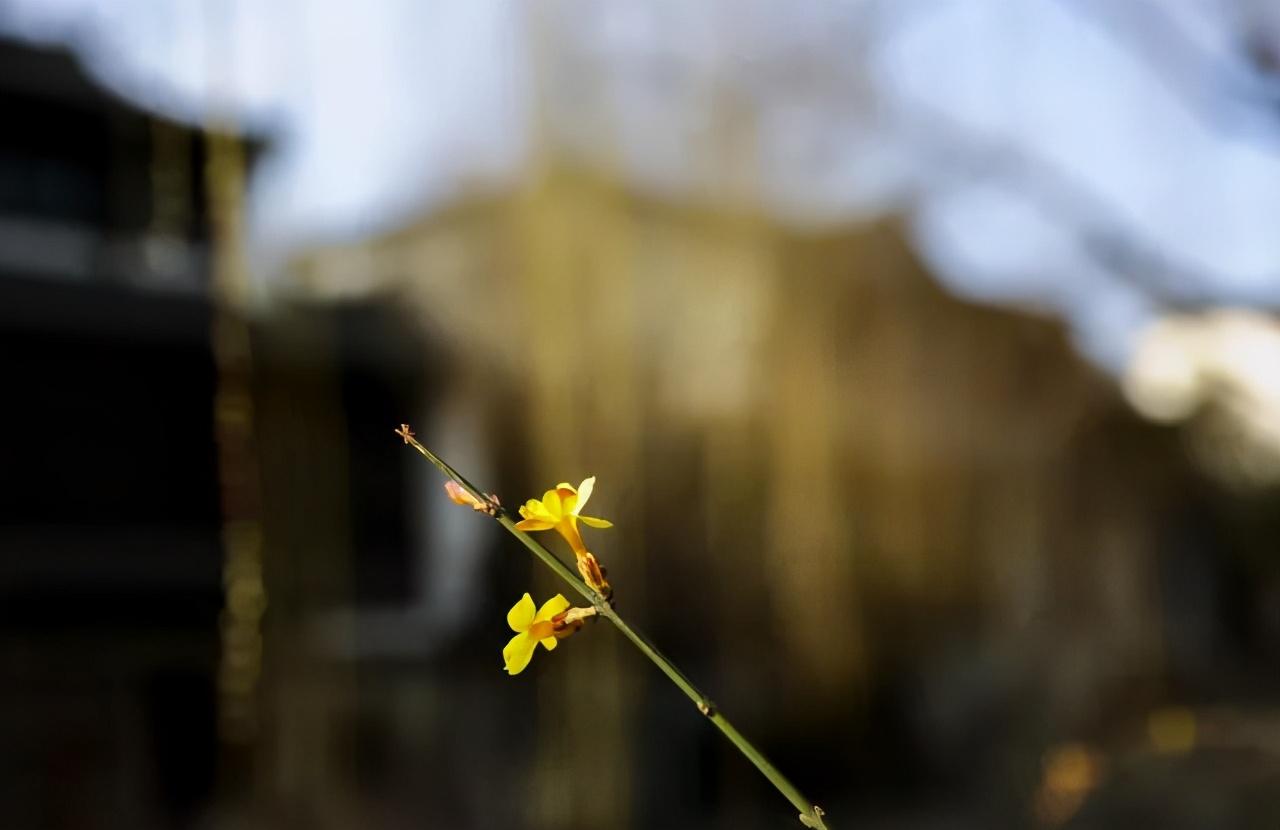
<point x="810" y="814"/>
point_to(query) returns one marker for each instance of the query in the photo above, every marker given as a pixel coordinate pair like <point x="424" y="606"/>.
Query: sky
<point x="1097" y="159"/>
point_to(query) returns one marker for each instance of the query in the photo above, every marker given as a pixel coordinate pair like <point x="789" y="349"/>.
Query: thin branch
<point x="811" y="815"/>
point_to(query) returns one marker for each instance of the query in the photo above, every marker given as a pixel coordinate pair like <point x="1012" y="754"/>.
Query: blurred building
<point x="114" y="509"/>
<point x="110" y="576"/>
<point x="119" y="503"/>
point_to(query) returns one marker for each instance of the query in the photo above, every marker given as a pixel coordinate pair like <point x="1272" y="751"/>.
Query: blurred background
<point x="927" y="353"/>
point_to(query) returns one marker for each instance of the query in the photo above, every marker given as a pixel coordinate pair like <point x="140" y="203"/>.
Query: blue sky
<point x="1093" y="158"/>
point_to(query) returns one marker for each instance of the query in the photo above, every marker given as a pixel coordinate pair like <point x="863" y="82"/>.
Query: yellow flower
<point x="532" y="628"/>
<point x="560" y="510"/>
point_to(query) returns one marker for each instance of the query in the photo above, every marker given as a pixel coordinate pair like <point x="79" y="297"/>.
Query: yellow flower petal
<point x="518" y="652"/>
<point x="568" y="501"/>
<point x="534" y="509"/>
<point x="592" y="521"/>
<point x="535" y="524"/>
<point x="542" y="629"/>
<point x="584" y="492"/>
<point x="549" y="643"/>
<point x="551" y="503"/>
<point x="521" y="615"/>
<point x="564" y="485"/>
<point x="551" y="607"/>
